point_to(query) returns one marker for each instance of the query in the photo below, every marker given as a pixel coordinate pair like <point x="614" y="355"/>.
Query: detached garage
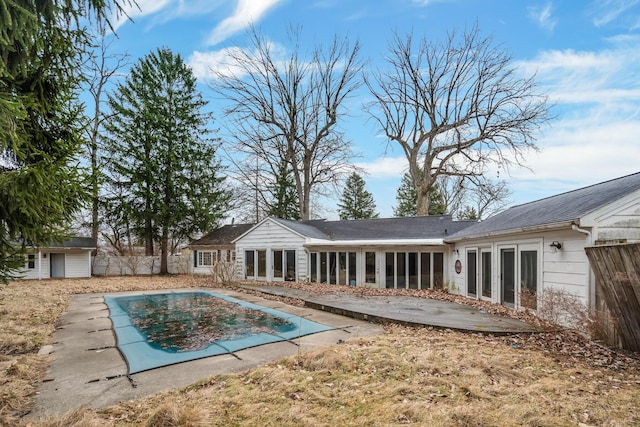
<point x="68" y="259"/>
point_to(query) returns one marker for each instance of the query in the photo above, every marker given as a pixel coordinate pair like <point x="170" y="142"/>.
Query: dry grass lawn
<point x="415" y="376"/>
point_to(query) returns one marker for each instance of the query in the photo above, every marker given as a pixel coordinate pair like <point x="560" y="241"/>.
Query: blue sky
<point x="586" y="55"/>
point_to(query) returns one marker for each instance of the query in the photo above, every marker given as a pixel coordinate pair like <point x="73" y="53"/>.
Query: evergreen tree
<point x="160" y="155"/>
<point x="407" y="198"/>
<point x="285" y="196"/>
<point x="468" y="214"/>
<point x="356" y="202"/>
<point x="40" y="121"/>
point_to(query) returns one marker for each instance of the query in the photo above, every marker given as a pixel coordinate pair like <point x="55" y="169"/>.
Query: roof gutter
<point x="371" y="242"/>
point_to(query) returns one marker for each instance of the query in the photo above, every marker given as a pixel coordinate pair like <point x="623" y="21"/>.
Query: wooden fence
<point x="617" y="271"/>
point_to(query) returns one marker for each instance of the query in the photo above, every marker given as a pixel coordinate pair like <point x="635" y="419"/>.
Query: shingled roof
<point x="406" y="228"/>
<point x="76" y="243"/>
<point x="223" y="236"/>
<point x="560" y="209"/>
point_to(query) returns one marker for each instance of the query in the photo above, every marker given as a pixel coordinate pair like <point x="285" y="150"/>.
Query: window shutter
<point x="195" y="259"/>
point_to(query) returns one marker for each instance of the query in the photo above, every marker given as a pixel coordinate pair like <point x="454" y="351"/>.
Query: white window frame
<point x="207" y="259"/>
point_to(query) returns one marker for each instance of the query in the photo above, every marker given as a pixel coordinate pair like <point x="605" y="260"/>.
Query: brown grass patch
<point x="417" y="376"/>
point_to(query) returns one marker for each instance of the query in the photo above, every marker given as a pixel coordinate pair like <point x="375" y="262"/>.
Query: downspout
<point x="592" y="289"/>
<point x="39" y="264"/>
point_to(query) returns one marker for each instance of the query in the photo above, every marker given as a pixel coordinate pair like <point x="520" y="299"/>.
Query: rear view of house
<point x="512" y="257"/>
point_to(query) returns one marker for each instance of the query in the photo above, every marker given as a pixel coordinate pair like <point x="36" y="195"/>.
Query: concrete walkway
<point x="405" y="310"/>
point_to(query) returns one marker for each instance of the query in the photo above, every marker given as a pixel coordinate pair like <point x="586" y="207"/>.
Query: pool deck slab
<point x="88" y="370"/>
<point x="405" y="310"/>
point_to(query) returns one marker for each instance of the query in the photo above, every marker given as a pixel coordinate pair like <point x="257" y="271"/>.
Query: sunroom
<point x="382" y="253"/>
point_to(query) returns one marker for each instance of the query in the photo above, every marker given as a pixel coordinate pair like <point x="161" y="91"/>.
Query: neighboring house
<point x="216" y="246"/>
<point x="389" y="252"/>
<point x="512" y="257"/>
<point x="68" y="259"/>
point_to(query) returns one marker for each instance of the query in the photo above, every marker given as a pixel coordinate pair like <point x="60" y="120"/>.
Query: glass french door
<point x="508" y="276"/>
<point x="472" y="273"/>
<point x="485" y="273"/>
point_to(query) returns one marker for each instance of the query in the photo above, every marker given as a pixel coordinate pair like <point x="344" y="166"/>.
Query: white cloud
<point x="543" y="16"/>
<point x="207" y="66"/>
<point x="163" y="11"/>
<point x="589" y="147"/>
<point x="384" y="167"/>
<point x="141" y="8"/>
<point x="602" y="77"/>
<point x="247" y="12"/>
<point x="608" y="12"/>
<point x="586" y="150"/>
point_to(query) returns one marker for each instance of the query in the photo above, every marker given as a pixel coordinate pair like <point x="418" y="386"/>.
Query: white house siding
<point x="76" y="264"/>
<point x="40" y="269"/>
<point x="566" y="269"/>
<point x="619" y="221"/>
<point x="270" y="236"/>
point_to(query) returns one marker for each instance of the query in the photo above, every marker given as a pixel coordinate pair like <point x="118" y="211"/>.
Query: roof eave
<point x="532" y="229"/>
<point x="374" y="242"/>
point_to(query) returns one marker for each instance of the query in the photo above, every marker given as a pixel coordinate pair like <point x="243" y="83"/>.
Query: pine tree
<point x="468" y="214"/>
<point x="356" y="202"/>
<point x="160" y="154"/>
<point x="407" y="198"/>
<point x="285" y="197"/>
<point x="40" y="121"/>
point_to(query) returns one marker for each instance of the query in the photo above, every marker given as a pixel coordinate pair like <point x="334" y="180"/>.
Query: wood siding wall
<point x="272" y="236"/>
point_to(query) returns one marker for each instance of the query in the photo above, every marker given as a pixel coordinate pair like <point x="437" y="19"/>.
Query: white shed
<point x="68" y="259"/>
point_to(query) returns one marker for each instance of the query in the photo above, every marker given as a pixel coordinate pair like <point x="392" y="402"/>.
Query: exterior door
<point x="290" y="266"/>
<point x="262" y="265"/>
<point x="472" y="273"/>
<point x="485" y="273"/>
<point x="508" y="276"/>
<point x="57" y="265"/>
<point x="277" y="267"/>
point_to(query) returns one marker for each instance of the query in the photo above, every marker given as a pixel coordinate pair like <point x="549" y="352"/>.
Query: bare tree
<point x="100" y="67"/>
<point x="288" y="109"/>
<point x="477" y="194"/>
<point x="488" y="197"/>
<point x="454" y="107"/>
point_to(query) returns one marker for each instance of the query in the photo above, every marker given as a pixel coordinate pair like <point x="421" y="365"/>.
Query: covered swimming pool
<point x="154" y="330"/>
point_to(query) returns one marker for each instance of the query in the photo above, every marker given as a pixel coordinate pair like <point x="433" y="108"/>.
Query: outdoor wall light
<point x="555" y="244"/>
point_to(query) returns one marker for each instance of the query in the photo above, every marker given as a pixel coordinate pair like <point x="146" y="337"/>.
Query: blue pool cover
<point x="150" y="342"/>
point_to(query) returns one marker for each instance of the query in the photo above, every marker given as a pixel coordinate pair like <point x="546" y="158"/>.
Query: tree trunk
<point x="148" y="249"/>
<point x="422" y="202"/>
<point x="94" y="195"/>
<point x="164" y="252"/>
